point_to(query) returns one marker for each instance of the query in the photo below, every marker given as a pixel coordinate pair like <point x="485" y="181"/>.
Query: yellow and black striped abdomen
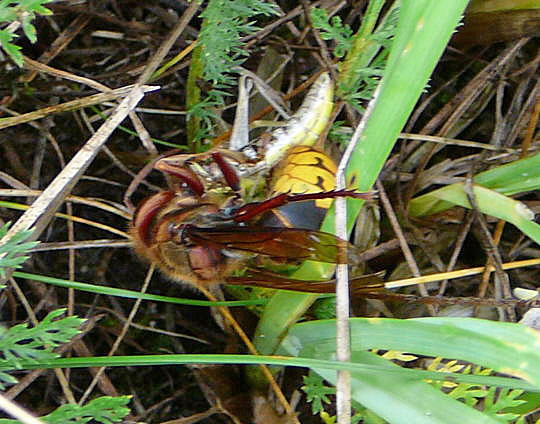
<point x="303" y="170"/>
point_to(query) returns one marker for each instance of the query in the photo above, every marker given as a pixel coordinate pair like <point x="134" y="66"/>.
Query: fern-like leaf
<point x="104" y="410"/>
<point x="35" y="344"/>
<point x="12" y="252"/>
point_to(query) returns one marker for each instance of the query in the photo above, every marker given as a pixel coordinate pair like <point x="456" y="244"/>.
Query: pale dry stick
<point x="37" y="66"/>
<point x="455" y="142"/>
<point x="42" y="210"/>
<point x="457" y="274"/>
<point x="62" y="74"/>
<point x="13" y="192"/>
<point x="92" y="224"/>
<point x="409" y="257"/>
<point x="63" y="378"/>
<point x="141" y="131"/>
<point x="343" y="342"/>
<point x="253" y="350"/>
<point x="79" y="220"/>
<point x="80" y="244"/>
<point x="64" y="38"/>
<point x="68" y="106"/>
<point x="87" y="122"/>
<point x="164" y="48"/>
<point x="144" y="135"/>
<point x="14" y="410"/>
<point x="121" y="336"/>
<point x="13" y="182"/>
<point x="137" y="123"/>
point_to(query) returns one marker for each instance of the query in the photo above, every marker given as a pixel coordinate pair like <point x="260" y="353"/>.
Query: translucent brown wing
<point x="282" y="243"/>
<point x="254" y="277"/>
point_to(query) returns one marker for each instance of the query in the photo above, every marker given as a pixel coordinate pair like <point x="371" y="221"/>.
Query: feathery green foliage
<point x="317" y="392"/>
<point x="24" y="11"/>
<point x="104" y="410"/>
<point x="367" y="50"/>
<point x="225" y="21"/>
<point x="35" y="344"/>
<point x="333" y="29"/>
<point x="490" y="400"/>
<point x="220" y="50"/>
<point x="12" y="252"/>
<point x="22" y="343"/>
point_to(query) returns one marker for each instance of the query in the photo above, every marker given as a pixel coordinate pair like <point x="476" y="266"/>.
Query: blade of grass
<point x="489" y="202"/>
<point x="493" y="187"/>
<point x="496" y="345"/>
<point x="492" y="344"/>
<point x="423" y="31"/>
<point x="415" y="401"/>
<point x="293" y="361"/>
<point x="130" y="294"/>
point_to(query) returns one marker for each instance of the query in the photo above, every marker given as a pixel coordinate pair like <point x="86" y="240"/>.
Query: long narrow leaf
<point x="400" y="399"/>
<point x="423" y="31"/>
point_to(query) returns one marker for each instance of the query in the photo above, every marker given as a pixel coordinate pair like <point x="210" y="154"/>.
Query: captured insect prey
<point x="237" y="218"/>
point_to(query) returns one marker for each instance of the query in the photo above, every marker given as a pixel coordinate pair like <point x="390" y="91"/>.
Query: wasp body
<point x="215" y="225"/>
<point x="303" y="170"/>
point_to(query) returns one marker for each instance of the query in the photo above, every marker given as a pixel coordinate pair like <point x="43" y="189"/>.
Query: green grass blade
<point x="405" y="400"/>
<point x="423" y="31"/>
<point x="293" y="361"/>
<point x="130" y="294"/>
<point x="516" y="177"/>
<point x="488" y="201"/>
<point x="504" y="347"/>
<point x="493" y="187"/>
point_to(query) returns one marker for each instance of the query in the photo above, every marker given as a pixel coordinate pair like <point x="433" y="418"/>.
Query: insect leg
<point x="240" y="132"/>
<point x="251" y="210"/>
